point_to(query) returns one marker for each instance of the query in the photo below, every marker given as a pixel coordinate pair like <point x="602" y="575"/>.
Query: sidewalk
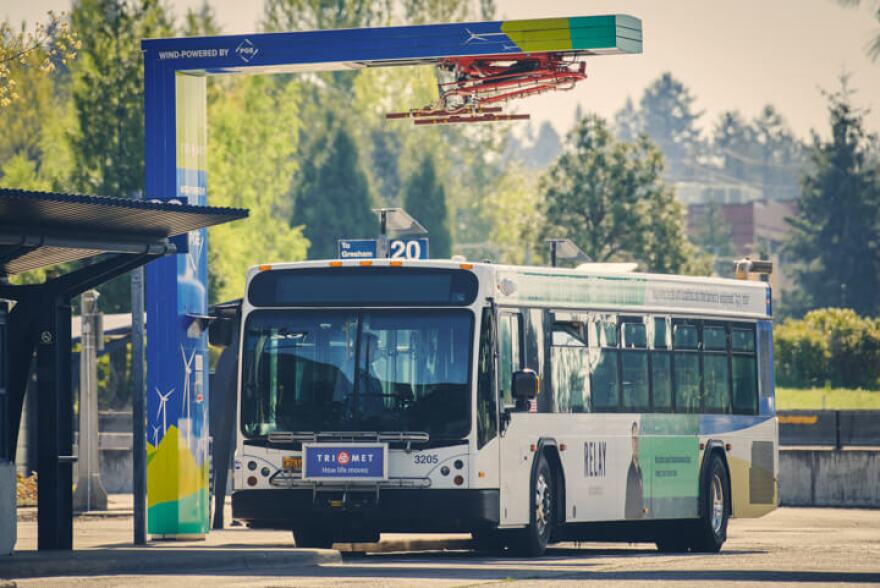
<point x="103" y="546"/>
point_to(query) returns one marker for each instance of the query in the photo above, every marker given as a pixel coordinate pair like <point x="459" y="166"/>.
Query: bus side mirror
<point x="220" y="332"/>
<point x="526" y="385"/>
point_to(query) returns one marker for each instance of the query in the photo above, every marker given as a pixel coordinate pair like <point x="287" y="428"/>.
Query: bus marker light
<point x="365" y="263"/>
<point x="466" y="266"/>
<point x="292" y="462"/>
<point x="533" y="448"/>
<point x="335" y="503"/>
<point x="481" y="474"/>
<point x="728" y="446"/>
<point x="563" y="447"/>
<point x="265" y="267"/>
<point x="459" y="480"/>
<point x="252" y="480"/>
<point x="702" y="446"/>
<point x="335" y="264"/>
<point x="395" y="263"/>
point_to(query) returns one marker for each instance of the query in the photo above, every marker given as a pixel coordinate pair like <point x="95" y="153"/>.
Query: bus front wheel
<point x="533" y="539"/>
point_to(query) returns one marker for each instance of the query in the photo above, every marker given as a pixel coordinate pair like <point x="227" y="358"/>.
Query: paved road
<point x="789" y="546"/>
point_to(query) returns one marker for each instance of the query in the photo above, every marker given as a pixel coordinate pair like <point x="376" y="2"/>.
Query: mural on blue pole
<point x="177" y="359"/>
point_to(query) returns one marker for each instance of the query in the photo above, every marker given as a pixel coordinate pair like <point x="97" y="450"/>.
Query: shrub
<point x="800" y="355"/>
<point x="830" y="345"/>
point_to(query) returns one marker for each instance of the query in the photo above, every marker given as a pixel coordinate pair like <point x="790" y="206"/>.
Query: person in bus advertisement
<point x="635" y="499"/>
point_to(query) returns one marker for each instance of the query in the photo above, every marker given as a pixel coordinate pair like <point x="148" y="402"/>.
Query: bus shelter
<point x="108" y="237"/>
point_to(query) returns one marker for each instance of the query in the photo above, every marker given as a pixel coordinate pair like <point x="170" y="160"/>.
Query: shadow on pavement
<point x="252" y="561"/>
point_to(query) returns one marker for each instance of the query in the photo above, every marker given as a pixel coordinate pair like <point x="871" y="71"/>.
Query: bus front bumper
<point x="400" y="511"/>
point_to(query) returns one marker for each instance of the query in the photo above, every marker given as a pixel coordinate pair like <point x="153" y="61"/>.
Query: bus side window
<point x="661" y="366"/>
<point x="486" y="407"/>
<point x="744" y="368"/>
<point x="604" y="379"/>
<point x="634" y="364"/>
<point x="686" y="361"/>
<point x="568" y="360"/>
<point x="716" y="369"/>
<point x="509" y="355"/>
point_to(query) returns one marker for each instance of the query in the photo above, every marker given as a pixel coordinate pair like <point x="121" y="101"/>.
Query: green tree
<point x="874" y="47"/>
<point x="253" y="135"/>
<point x="780" y="155"/>
<point x="627" y="122"/>
<point x="762" y="152"/>
<point x="667" y="116"/>
<point x="43" y="48"/>
<point x="425" y="199"/>
<point x="834" y="240"/>
<point x="714" y="237"/>
<point x="108" y="92"/>
<point x="108" y="95"/>
<point x="200" y="22"/>
<point x="609" y="197"/>
<point x="513" y="209"/>
<point x="309" y="15"/>
<point x="332" y="199"/>
<point x="733" y="141"/>
<point x="36" y="110"/>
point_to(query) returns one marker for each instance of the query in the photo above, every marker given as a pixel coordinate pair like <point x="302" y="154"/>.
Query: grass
<point x="827" y="398"/>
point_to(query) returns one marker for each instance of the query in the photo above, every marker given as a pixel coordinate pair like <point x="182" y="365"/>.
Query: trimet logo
<point x="246" y="50"/>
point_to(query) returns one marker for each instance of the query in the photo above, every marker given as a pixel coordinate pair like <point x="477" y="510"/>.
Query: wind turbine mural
<point x="163" y="409"/>
<point x="155" y="436"/>
<point x="186" y="403"/>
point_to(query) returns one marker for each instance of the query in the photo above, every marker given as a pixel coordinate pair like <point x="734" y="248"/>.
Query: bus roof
<point x="596" y="286"/>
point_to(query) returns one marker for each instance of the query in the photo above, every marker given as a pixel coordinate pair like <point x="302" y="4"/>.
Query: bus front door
<point x="514" y="454"/>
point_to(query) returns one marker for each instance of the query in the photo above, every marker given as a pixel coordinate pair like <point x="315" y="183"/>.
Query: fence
<point x="836" y="428"/>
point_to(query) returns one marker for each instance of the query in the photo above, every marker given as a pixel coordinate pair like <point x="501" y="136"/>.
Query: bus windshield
<point x="348" y="370"/>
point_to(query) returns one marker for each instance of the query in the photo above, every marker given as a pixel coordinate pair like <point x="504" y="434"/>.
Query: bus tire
<point x="533" y="540"/>
<point x="312" y="538"/>
<point x="710" y="532"/>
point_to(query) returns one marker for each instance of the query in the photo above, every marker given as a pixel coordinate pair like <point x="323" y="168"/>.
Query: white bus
<point x="524" y="405"/>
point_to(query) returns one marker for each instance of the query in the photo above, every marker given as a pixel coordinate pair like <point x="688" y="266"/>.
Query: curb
<point x="29" y="514"/>
<point x="418" y="544"/>
<point x="104" y="562"/>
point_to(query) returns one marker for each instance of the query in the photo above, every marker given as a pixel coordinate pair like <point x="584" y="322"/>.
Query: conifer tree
<point x="668" y="117"/>
<point x="835" y="234"/>
<point x="332" y="200"/>
<point x="425" y="199"/>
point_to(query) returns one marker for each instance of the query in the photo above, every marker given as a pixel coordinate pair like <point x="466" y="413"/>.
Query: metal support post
<point x="90" y="493"/>
<point x="5" y="450"/>
<point x="54" y="491"/>
<point x="382" y="242"/>
<point x="138" y="410"/>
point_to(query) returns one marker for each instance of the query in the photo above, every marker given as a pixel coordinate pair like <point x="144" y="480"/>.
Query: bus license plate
<point x="345" y="461"/>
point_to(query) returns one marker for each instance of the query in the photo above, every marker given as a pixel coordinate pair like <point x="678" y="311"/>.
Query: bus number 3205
<point x="427" y="458"/>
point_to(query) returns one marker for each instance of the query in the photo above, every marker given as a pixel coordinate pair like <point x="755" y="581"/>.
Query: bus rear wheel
<point x="533" y="540"/>
<point x="711" y="529"/>
<point x="312" y="538"/>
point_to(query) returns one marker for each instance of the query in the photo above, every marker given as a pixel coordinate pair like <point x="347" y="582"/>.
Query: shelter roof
<point x="38" y="229"/>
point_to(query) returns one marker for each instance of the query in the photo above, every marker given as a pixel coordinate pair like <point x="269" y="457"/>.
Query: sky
<point x="732" y="54"/>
